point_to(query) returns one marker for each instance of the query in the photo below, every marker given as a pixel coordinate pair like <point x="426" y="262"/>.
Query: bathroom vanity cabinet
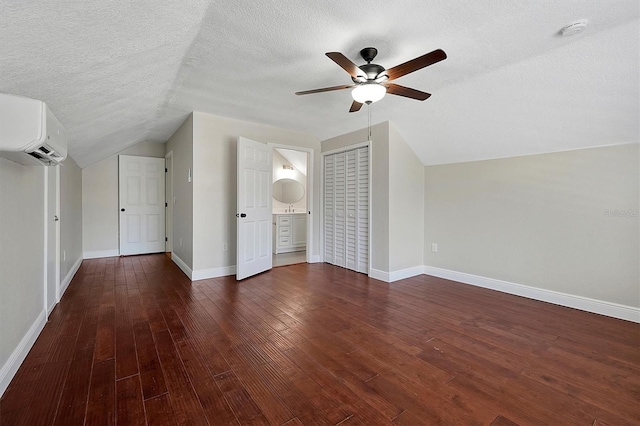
<point x="289" y="232"/>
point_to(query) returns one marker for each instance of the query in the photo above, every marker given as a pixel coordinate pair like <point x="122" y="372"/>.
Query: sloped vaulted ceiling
<point x="120" y="72"/>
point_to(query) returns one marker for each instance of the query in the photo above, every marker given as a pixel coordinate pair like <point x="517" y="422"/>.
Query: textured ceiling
<point x="119" y="72"/>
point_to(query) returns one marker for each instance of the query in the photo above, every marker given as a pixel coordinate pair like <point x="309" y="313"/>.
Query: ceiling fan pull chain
<point x="369" y="113"/>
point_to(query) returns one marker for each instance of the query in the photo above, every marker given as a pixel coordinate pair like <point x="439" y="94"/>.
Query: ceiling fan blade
<point x="346" y="64"/>
<point x="416" y="64"/>
<point x="355" y="106"/>
<point x="407" y="92"/>
<point x="325" y="89"/>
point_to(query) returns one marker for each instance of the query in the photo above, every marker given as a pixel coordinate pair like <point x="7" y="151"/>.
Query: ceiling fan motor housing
<point x="368" y="53"/>
<point x="372" y="70"/>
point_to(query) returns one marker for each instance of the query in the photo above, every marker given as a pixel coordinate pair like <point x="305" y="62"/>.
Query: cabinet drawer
<point x="284" y="220"/>
<point x="284" y="241"/>
<point x="284" y="231"/>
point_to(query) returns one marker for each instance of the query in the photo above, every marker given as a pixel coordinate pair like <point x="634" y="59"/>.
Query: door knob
<point x="241" y="215"/>
<point x="56" y="218"/>
<point x="121" y="210"/>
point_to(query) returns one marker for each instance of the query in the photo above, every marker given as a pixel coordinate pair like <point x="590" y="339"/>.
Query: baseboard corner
<point x="182" y="265"/>
<point x="204" y="274"/>
<point x="377" y="274"/>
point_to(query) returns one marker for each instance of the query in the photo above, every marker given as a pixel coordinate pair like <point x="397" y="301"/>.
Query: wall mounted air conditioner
<point x="29" y="132"/>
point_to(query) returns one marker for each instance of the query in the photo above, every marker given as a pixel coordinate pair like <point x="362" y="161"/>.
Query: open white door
<point x="254" y="212"/>
<point x="142" y="205"/>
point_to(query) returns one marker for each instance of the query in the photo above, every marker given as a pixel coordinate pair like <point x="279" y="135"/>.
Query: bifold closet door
<point x="346" y="214"/>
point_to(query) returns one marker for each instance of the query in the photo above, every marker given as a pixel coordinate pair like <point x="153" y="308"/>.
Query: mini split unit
<point x="29" y="132"/>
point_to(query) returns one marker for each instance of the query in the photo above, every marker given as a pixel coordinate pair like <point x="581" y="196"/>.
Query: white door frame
<point x="169" y="200"/>
<point x="143" y="205"/>
<point x="321" y="218"/>
<point x="51" y="286"/>
<point x="309" y="189"/>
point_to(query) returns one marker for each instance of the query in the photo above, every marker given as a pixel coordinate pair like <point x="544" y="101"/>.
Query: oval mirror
<point x="288" y="191"/>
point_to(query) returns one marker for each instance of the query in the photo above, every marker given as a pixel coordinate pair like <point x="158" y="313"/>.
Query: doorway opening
<point x="291" y="201"/>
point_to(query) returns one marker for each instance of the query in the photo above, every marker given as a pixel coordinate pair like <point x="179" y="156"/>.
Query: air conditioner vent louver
<point x="36" y="155"/>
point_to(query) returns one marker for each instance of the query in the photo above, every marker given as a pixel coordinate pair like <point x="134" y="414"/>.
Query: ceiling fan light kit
<point x="368" y="93"/>
<point x="372" y="81"/>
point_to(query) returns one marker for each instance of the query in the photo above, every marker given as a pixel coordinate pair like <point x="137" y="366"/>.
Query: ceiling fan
<point x="372" y="81"/>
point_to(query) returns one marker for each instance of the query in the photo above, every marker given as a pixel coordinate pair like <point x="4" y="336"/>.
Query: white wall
<point x="214" y="186"/>
<point x="181" y="145"/>
<point x="406" y="208"/>
<point x="564" y="222"/>
<point x="21" y="259"/>
<point x="100" y="201"/>
<point x="22" y="246"/>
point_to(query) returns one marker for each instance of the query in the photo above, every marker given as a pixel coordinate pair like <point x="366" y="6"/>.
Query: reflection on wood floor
<point x="133" y="341"/>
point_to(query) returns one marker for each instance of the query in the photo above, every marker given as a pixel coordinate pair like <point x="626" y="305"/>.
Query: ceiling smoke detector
<point x="573" y="29"/>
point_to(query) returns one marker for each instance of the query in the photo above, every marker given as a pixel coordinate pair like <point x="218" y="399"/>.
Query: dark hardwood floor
<point x="133" y="341"/>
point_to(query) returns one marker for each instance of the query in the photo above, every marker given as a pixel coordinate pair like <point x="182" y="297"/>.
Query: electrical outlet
<point x="225" y="247"/>
<point x="434" y="246"/>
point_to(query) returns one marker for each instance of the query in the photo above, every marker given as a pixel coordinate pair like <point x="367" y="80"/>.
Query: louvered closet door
<point x="351" y="201"/>
<point x="362" y="206"/>
<point x="329" y="221"/>
<point x="339" y="210"/>
<point x="346" y="209"/>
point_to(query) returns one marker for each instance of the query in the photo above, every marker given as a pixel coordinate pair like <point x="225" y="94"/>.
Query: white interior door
<point x="254" y="214"/>
<point x="142" y="204"/>
<point x="52" y="277"/>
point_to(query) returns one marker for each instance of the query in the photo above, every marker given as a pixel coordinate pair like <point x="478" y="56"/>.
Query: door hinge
<point x="166" y="239"/>
<point x="166" y="204"/>
<point x="166" y="170"/>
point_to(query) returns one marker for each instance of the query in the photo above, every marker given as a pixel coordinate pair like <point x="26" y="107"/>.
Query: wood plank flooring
<point x="134" y="342"/>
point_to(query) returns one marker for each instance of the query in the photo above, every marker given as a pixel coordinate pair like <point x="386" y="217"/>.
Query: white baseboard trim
<point x="392" y="276"/>
<point x="379" y="275"/>
<point x="18" y="355"/>
<point x="100" y="254"/>
<point x="67" y="280"/>
<point x="204" y="274"/>
<point x="315" y="258"/>
<point x="183" y="266"/>
<point x="614" y="310"/>
<point x="406" y="273"/>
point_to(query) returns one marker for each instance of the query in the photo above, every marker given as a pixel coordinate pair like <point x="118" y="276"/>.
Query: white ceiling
<point x="119" y="72"/>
